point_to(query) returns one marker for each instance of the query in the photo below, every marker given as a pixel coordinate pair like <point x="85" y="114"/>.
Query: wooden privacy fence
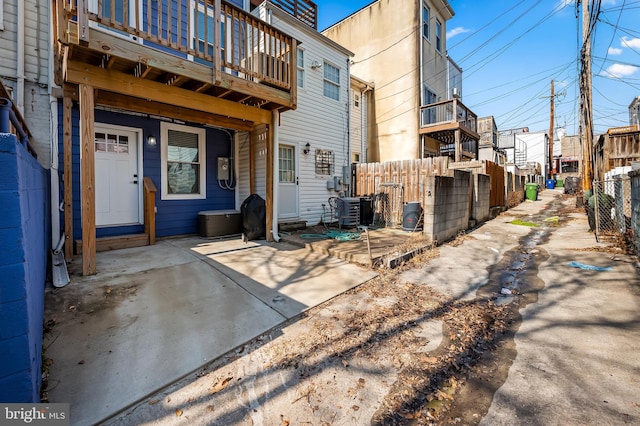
<point x="372" y="178"/>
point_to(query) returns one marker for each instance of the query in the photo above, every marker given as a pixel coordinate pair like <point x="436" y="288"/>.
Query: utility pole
<point x="587" y="108"/>
<point x="551" y="114"/>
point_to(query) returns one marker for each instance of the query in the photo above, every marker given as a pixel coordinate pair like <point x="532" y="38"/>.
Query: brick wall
<point x="24" y="236"/>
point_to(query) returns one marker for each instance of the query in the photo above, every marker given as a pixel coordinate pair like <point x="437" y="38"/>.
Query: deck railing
<point x="211" y="32"/>
<point x="11" y="121"/>
<point x="304" y="10"/>
<point x="443" y="112"/>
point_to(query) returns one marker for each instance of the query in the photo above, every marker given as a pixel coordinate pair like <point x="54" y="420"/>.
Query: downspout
<point x="57" y="240"/>
<point x="346" y="169"/>
<point x="20" y="57"/>
<point x="275" y="165"/>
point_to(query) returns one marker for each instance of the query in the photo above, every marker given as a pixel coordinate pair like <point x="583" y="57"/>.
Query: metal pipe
<point x="276" y="180"/>
<point x="5" y="114"/>
<point x="20" y="56"/>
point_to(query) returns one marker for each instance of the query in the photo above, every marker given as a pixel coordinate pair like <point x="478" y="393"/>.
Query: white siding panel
<point x="320" y="121"/>
<point x="37" y="110"/>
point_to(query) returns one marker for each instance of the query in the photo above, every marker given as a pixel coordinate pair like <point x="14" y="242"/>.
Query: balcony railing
<point x="451" y="111"/>
<point x="304" y="10"/>
<point x="211" y="32"/>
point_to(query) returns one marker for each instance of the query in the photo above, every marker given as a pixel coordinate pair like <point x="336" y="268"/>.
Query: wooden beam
<point x="105" y="42"/>
<point x="150" y="209"/>
<point x="128" y="103"/>
<point x="153" y="91"/>
<point x="87" y="179"/>
<point x="67" y="104"/>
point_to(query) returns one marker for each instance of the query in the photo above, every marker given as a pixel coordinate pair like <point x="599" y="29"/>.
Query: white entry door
<point x="288" y="187"/>
<point x="118" y="182"/>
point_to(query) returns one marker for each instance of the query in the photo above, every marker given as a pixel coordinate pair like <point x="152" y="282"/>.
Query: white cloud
<point x="620" y="70"/>
<point x="455" y="31"/>
<point x="614" y="51"/>
<point x="630" y="42"/>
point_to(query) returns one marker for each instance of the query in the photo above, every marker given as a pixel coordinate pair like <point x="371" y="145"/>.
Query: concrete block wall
<point x="635" y="208"/>
<point x="481" y="194"/>
<point x="446" y="205"/>
<point x="24" y="236"/>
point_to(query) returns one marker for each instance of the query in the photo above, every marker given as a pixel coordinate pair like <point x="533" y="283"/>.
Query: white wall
<point x="318" y="120"/>
<point x="537" y="149"/>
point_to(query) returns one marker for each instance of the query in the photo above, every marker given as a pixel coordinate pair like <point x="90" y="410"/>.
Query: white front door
<point x="288" y="186"/>
<point x="118" y="181"/>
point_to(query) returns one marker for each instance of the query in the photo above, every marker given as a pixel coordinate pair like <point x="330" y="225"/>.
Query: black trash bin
<point x="254" y="218"/>
<point x="412" y="216"/>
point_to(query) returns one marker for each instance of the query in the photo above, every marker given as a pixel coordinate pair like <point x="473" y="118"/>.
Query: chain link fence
<point x="388" y="205"/>
<point x="609" y="210"/>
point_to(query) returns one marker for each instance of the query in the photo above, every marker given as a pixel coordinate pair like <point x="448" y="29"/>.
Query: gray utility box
<point x="217" y="223"/>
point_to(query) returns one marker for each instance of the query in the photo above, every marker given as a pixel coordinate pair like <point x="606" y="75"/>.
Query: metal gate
<point x="388" y="204"/>
<point x="610" y="211"/>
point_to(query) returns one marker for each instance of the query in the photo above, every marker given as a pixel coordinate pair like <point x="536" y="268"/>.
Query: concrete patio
<point x="155" y="314"/>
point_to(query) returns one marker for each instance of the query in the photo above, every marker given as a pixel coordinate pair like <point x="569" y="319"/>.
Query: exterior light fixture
<point x="315" y="65"/>
<point x="306" y="148"/>
<point x="151" y="140"/>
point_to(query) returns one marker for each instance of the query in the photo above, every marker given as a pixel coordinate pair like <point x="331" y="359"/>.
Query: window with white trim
<point x="356" y="99"/>
<point x="301" y="68"/>
<point x="438" y="36"/>
<point x="426" y="15"/>
<point x="331" y="81"/>
<point x="183" y="162"/>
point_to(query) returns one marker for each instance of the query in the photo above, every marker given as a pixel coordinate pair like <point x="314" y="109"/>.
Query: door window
<point x="287" y="169"/>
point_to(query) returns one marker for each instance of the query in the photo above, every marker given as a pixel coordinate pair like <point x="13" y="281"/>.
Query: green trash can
<point x="531" y="191"/>
<point x="559" y="183"/>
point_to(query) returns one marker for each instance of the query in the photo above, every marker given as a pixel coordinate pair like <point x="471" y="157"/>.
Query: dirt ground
<point x="396" y="352"/>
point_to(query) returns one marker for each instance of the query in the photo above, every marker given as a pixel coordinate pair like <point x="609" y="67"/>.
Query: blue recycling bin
<point x="551" y="183"/>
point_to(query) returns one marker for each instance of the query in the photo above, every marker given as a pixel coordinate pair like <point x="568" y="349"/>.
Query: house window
<point x="324" y="162"/>
<point x="287" y="169"/>
<point x="331" y="81"/>
<point x="426" y="14"/>
<point x="203" y="31"/>
<point x="183" y="162"/>
<point x="438" y="36"/>
<point x="356" y="100"/>
<point x="300" y="67"/>
<point x="355" y="157"/>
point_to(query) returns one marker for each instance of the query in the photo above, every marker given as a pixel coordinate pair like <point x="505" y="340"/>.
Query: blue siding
<point x="174" y="217"/>
<point x="24" y="235"/>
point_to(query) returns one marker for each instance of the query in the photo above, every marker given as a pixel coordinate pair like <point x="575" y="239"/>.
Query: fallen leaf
<point x="355" y="408"/>
<point x="345" y="363"/>
<point x="154" y="402"/>
<point x="210" y="408"/>
<point x="178" y="412"/>
<point x="218" y="386"/>
<point x="285" y="423"/>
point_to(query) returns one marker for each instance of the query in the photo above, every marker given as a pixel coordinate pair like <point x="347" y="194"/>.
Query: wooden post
<point x="252" y="162"/>
<point x="67" y="176"/>
<point x="150" y="210"/>
<point x="83" y="21"/>
<point x="293" y="74"/>
<point x="217" y="51"/>
<point x="87" y="179"/>
<point x="551" y="114"/>
<point x="458" y="146"/>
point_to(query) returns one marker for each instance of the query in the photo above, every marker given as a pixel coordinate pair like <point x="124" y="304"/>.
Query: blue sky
<point x="510" y="50"/>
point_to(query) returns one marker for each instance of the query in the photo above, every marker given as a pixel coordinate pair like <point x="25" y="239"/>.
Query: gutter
<point x="275" y="165"/>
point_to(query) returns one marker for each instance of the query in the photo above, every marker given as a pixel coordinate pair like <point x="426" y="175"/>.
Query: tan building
<point x="400" y="46"/>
